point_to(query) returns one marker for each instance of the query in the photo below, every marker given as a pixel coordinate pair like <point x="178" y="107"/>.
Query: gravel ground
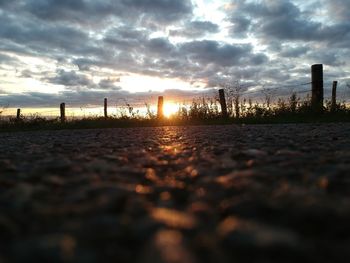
<point x="263" y="193"/>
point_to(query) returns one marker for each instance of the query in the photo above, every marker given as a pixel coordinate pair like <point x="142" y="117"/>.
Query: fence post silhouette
<point x="317" y="88"/>
<point x="160" y="112"/>
<point x="105" y="108"/>
<point x="63" y="112"/>
<point x="18" y="116"/>
<point x="223" y="103"/>
<point x="334" y="96"/>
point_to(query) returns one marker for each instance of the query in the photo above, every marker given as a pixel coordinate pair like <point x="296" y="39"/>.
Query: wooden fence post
<point x="160" y="112"/>
<point x="334" y="96"/>
<point x="223" y="103"/>
<point x="317" y="88"/>
<point x="105" y="108"/>
<point x="18" y="116"/>
<point x="63" y="112"/>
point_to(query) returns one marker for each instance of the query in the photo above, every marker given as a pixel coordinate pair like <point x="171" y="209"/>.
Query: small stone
<point x="7" y="166"/>
<point x="53" y="180"/>
<point x="248" y="233"/>
<point x="8" y="229"/>
<point x="225" y="179"/>
<point x="50" y="248"/>
<point x="288" y="152"/>
<point x="174" y="218"/>
<point x="255" y="153"/>
<point x="167" y="246"/>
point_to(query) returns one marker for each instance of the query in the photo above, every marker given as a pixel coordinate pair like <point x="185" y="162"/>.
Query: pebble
<point x="174" y="218"/>
<point x="232" y="193"/>
<point x="168" y="246"/>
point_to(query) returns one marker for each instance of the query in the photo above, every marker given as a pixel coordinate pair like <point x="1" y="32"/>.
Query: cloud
<point x="87" y="11"/>
<point x="329" y="57"/>
<point x="5" y="59"/>
<point x="213" y="52"/>
<point x="338" y="9"/>
<point x="240" y="25"/>
<point x="95" y="97"/>
<point x="6" y="3"/>
<point x="284" y="20"/>
<point x="278" y="19"/>
<point x="42" y="38"/>
<point x="293" y="31"/>
<point x="195" y="29"/>
<point x="76" y="81"/>
<point x="71" y="43"/>
<point x="162" y="10"/>
<point x="71" y="98"/>
<point x="70" y="78"/>
<point x="292" y="52"/>
<point x="55" y="9"/>
<point x="109" y="84"/>
<point x="26" y="74"/>
<point x="159" y="46"/>
<point x="125" y="48"/>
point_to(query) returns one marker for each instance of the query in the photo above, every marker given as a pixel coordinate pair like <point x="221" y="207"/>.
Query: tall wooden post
<point x="105" y="108"/>
<point x="18" y="116"/>
<point x="223" y="103"/>
<point x="334" y="96"/>
<point x="160" y="112"/>
<point x="63" y="112"/>
<point x="317" y="88"/>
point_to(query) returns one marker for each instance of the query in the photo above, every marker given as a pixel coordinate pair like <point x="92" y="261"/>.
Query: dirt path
<point x="263" y="193"/>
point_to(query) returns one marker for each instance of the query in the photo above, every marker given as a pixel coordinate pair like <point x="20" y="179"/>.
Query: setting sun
<point x="170" y="109"/>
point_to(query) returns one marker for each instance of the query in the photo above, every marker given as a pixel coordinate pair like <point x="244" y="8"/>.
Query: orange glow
<point x="170" y="109"/>
<point x="141" y="189"/>
<point x="174" y="218"/>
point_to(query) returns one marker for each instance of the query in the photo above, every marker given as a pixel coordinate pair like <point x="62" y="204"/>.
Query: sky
<point x="80" y="51"/>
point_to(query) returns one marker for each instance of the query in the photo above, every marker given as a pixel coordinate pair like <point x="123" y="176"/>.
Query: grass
<point x="200" y="112"/>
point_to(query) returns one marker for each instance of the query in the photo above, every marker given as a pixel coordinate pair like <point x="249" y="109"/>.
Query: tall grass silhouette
<point x="199" y="111"/>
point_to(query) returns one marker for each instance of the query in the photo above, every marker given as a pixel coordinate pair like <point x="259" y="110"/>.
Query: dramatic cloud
<point x="195" y="29"/>
<point x="240" y="25"/>
<point x="5" y="59"/>
<point x="206" y="52"/>
<point x="95" y="48"/>
<point x="292" y="52"/>
<point x="95" y="97"/>
<point x="309" y="32"/>
<point x="87" y="11"/>
<point x="109" y="84"/>
<point x="338" y="9"/>
<point x="70" y="79"/>
<point x="284" y="20"/>
<point x="42" y="38"/>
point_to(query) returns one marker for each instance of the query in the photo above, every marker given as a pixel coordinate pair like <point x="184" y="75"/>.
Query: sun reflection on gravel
<point x="176" y="194"/>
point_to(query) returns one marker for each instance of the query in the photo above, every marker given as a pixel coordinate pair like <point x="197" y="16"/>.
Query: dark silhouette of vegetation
<point x="201" y="111"/>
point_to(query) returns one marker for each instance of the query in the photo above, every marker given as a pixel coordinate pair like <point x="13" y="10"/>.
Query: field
<point x="231" y="193"/>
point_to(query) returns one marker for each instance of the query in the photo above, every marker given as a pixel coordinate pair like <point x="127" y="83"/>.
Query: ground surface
<point x="264" y="193"/>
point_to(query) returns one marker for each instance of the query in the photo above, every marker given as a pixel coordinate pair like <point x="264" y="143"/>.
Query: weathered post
<point x="223" y="103"/>
<point x="317" y="88"/>
<point x="18" y="116"/>
<point x="334" y="96"/>
<point x="63" y="112"/>
<point x="160" y="112"/>
<point x="105" y="107"/>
